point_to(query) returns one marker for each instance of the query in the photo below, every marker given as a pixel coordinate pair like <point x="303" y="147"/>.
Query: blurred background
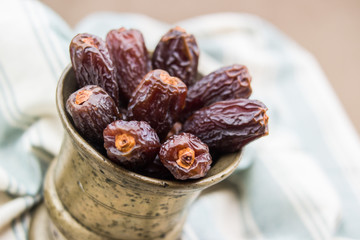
<point x="330" y="29"/>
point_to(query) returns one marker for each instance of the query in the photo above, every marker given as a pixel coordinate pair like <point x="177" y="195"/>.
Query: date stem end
<point x="186" y="157"/>
<point x="124" y="142"/>
<point x="82" y="96"/>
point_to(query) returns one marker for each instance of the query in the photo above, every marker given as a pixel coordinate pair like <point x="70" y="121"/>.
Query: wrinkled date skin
<point x="92" y="109"/>
<point x="177" y="53"/>
<point x="130" y="56"/>
<point x="226" y="83"/>
<point x="92" y="64"/>
<point x="227" y="126"/>
<point x="132" y="144"/>
<point x="159" y="99"/>
<point x="186" y="156"/>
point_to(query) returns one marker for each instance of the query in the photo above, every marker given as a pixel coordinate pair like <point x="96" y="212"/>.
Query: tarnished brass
<point x="89" y="197"/>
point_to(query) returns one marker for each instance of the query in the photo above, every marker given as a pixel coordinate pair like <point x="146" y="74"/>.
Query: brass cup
<point x="90" y="197"/>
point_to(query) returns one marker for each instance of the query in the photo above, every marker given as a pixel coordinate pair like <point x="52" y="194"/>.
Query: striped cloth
<point x="300" y="182"/>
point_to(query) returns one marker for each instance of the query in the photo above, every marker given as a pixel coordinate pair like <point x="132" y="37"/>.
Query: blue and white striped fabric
<point x="33" y="54"/>
<point x="300" y="182"/>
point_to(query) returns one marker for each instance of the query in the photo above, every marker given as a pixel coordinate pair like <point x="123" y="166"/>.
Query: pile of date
<point x="152" y="113"/>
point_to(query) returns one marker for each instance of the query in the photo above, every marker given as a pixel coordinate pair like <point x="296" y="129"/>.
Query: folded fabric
<point x="300" y="182"/>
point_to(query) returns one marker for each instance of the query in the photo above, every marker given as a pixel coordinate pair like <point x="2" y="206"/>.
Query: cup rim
<point x="192" y="184"/>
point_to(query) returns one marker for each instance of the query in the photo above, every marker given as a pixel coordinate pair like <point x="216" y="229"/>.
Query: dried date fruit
<point x="130" y="56"/>
<point x="132" y="144"/>
<point x="229" y="82"/>
<point x="159" y="99"/>
<point x="177" y="52"/>
<point x="92" y="64"/>
<point x="227" y="126"/>
<point x="92" y="109"/>
<point x="186" y="156"/>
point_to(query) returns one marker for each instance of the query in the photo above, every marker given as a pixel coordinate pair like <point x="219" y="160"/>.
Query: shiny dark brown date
<point x="159" y="99"/>
<point x="132" y="144"/>
<point x="227" y="126"/>
<point x="186" y="156"/>
<point x="177" y="52"/>
<point x="130" y="56"/>
<point x="92" y="109"/>
<point x="92" y="64"/>
<point x="230" y="82"/>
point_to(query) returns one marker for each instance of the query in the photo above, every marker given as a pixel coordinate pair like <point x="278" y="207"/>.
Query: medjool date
<point x="159" y="99"/>
<point x="132" y="144"/>
<point x="92" y="64"/>
<point x="229" y="82"/>
<point x="227" y="126"/>
<point x="177" y="52"/>
<point x="129" y="54"/>
<point x="92" y="109"/>
<point x="185" y="156"/>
